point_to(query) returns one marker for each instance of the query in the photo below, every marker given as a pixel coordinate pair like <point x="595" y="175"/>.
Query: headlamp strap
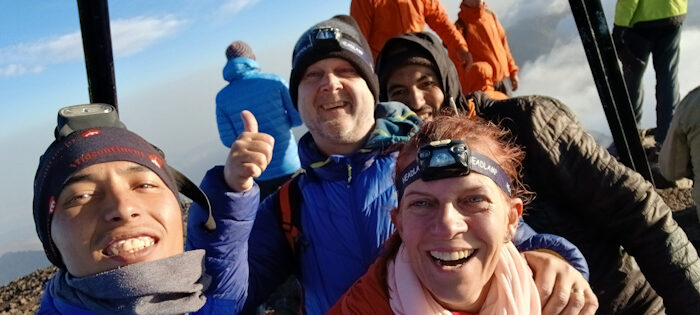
<point x="478" y="163"/>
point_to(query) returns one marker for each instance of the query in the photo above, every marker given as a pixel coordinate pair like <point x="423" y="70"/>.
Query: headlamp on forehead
<point x="85" y="116"/>
<point x="445" y="158"/>
<point x="450" y="158"/>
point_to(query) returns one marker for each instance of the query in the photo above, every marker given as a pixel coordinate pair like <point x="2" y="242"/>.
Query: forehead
<point x="474" y="182"/>
<point x="114" y="168"/>
<point x="330" y="63"/>
<point x="412" y="72"/>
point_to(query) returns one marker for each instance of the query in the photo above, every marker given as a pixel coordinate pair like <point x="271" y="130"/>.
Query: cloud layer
<point x="232" y="7"/>
<point x="129" y="36"/>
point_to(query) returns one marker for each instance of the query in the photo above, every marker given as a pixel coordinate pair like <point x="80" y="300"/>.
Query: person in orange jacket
<point x="380" y="20"/>
<point x="487" y="42"/>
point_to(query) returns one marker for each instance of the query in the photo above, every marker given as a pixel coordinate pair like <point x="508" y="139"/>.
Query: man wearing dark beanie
<point x="107" y="211"/>
<point x="346" y="191"/>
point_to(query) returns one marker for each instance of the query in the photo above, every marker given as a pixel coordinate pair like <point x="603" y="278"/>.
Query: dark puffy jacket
<point x="583" y="194"/>
<point x="633" y="246"/>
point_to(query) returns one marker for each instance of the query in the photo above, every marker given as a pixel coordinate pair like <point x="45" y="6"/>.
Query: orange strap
<point x="472" y="109"/>
<point x="290" y="230"/>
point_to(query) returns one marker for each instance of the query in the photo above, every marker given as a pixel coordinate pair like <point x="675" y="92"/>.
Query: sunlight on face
<point x="453" y="230"/>
<point x="114" y="214"/>
<point x="336" y="105"/>
<point x="418" y="87"/>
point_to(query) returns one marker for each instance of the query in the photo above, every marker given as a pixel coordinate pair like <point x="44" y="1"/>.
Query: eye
<point x="78" y="199"/>
<point x="397" y="94"/>
<point x="145" y="186"/>
<point x="428" y="84"/>
<point x="420" y="206"/>
<point x="475" y="203"/>
<point x="419" y="203"/>
<point x="347" y="72"/>
<point x="312" y="74"/>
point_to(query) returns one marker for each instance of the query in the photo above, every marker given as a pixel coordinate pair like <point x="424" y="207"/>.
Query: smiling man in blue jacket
<point x="346" y="193"/>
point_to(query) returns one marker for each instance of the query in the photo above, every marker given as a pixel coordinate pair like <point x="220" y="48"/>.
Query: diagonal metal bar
<point x="602" y="59"/>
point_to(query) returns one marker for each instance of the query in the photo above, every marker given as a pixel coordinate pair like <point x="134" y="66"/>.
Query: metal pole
<point x="602" y="59"/>
<point x="97" y="46"/>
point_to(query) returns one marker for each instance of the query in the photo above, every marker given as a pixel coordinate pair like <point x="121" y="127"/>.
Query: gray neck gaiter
<point x="172" y="285"/>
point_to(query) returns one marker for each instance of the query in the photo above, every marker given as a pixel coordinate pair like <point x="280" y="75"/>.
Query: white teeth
<point x="451" y="256"/>
<point x="130" y="245"/>
<point x="333" y="105"/>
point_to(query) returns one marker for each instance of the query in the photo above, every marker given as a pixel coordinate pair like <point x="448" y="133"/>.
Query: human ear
<point x="514" y="213"/>
<point x="396" y="219"/>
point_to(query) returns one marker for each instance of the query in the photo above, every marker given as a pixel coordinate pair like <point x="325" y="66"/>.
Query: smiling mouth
<point x="334" y="105"/>
<point x="453" y="259"/>
<point x="128" y="246"/>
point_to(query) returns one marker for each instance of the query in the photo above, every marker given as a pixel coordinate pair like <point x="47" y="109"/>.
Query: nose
<point x="448" y="222"/>
<point x="416" y="100"/>
<point x="119" y="206"/>
<point x="330" y="82"/>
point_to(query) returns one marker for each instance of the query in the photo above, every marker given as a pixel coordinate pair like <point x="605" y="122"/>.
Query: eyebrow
<point x="90" y="177"/>
<point x="470" y="189"/>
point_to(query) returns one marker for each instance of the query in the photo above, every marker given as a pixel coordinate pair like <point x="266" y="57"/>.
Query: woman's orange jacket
<point x="380" y="20"/>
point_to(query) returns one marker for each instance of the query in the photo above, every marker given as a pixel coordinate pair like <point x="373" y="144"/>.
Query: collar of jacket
<point x="394" y="123"/>
<point x="239" y="67"/>
<point x="468" y="14"/>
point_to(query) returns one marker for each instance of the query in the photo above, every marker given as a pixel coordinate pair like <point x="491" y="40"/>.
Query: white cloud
<point x="563" y="73"/>
<point x="232" y="7"/>
<point x="17" y="70"/>
<point x="129" y="36"/>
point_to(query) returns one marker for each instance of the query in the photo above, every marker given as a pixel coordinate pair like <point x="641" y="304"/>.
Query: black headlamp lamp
<point x="96" y="115"/>
<point x="327" y="39"/>
<point x="86" y="116"/>
<point x="450" y="158"/>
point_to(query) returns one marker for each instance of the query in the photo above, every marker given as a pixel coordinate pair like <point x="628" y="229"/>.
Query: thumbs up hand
<point x="249" y="156"/>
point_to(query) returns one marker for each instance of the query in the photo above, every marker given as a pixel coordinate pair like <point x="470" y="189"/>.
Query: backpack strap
<point x="289" y="214"/>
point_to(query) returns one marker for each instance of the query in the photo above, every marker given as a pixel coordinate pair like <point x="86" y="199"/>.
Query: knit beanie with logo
<point x="338" y="37"/>
<point x="81" y="149"/>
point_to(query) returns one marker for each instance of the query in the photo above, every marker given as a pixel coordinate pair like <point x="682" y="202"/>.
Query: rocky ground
<point x="22" y="296"/>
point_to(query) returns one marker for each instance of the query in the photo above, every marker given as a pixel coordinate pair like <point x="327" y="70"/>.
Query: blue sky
<point x="168" y="61"/>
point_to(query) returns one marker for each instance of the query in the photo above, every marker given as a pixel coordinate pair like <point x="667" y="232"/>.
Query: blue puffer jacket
<point x="345" y="217"/>
<point x="267" y="97"/>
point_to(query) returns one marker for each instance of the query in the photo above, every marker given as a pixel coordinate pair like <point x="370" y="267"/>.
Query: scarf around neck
<point x="512" y="290"/>
<point x="172" y="285"/>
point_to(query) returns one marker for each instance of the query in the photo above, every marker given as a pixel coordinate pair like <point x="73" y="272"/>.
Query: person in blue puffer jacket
<point x="266" y="95"/>
<point x="347" y="189"/>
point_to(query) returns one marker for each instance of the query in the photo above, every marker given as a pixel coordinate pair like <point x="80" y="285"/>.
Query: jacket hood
<point x="237" y="68"/>
<point x="425" y="44"/>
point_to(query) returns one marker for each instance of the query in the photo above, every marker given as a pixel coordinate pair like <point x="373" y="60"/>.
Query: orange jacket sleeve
<point x="436" y="17"/>
<point x="512" y="67"/>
